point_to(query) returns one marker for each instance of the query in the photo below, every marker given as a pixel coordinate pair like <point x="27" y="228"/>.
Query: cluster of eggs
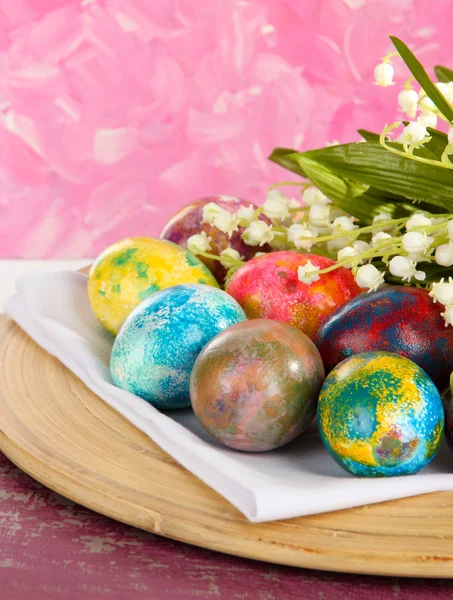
<point x="252" y="359"/>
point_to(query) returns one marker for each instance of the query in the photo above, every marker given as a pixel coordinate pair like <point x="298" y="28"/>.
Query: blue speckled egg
<point x="157" y="345"/>
<point x="379" y="414"/>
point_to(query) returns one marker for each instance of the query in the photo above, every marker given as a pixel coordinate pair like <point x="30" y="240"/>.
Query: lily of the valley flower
<point x="444" y="255"/>
<point x="404" y="267"/>
<point x="258" y="233"/>
<point x="276" y="206"/>
<point x="199" y="242"/>
<point x="308" y="273"/>
<point x="301" y="236"/>
<point x="414" y="133"/>
<point x="416" y="244"/>
<point x="443" y="292"/>
<point x="245" y="215"/>
<point x="368" y="277"/>
<point x="383" y="74"/>
<point x="418" y="220"/>
<point x="229" y="258"/>
<point x="408" y="102"/>
<point x="378" y="238"/>
<point x="319" y="215"/>
<point x="347" y="252"/>
<point x="313" y="196"/>
<point x="428" y="119"/>
<point x="448" y="316"/>
<point x="227" y="223"/>
<point x="210" y="211"/>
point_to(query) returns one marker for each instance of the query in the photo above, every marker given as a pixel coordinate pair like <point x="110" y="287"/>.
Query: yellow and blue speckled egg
<point x="155" y="350"/>
<point x="130" y="270"/>
<point x="379" y="414"/>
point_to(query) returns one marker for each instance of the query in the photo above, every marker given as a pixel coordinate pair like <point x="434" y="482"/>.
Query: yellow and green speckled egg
<point x="380" y="415"/>
<point x="132" y="269"/>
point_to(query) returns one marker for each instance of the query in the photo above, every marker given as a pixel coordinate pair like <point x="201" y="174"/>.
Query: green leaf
<point x="418" y="71"/>
<point x="443" y="74"/>
<point x="356" y="199"/>
<point x="437" y="142"/>
<point x="369" y="136"/>
<point x="368" y="163"/>
<point x="280" y="156"/>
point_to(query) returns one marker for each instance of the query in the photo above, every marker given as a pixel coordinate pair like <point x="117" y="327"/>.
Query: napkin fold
<point x="299" y="479"/>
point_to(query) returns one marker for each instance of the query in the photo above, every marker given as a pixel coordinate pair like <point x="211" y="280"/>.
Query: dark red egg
<point x="397" y="319"/>
<point x="188" y="221"/>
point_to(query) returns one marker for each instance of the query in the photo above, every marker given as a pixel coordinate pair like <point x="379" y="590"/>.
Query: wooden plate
<point x="66" y="437"/>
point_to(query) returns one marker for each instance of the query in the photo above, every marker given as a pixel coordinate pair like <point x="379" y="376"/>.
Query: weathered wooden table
<point x="52" y="549"/>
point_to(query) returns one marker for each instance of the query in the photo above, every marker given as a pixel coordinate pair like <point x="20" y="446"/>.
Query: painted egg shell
<point x="380" y="415"/>
<point x="157" y="345"/>
<point x="129" y="271"/>
<point x="449" y="415"/>
<point x="395" y="319"/>
<point x="255" y="386"/>
<point x="188" y="222"/>
<point x="268" y="287"/>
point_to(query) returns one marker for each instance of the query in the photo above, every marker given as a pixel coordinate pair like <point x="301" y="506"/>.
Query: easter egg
<point x="129" y="271"/>
<point x="380" y="415"/>
<point x="189" y="221"/>
<point x="155" y="350"/>
<point x="394" y="319"/>
<point x="255" y="386"/>
<point x="269" y="287"/>
<point x="449" y="415"/>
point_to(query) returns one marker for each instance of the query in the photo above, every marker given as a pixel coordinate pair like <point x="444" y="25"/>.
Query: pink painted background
<point x="113" y="113"/>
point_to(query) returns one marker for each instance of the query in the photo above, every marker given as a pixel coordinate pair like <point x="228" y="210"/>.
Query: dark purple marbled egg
<point x="188" y="221"/>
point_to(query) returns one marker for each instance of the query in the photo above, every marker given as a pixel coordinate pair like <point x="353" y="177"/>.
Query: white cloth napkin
<point x="296" y="480"/>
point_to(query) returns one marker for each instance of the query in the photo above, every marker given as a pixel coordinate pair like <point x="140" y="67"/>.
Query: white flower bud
<point x="450" y="230"/>
<point x="414" y="133"/>
<point x="448" y="316"/>
<point x="226" y="222"/>
<point x="383" y="74"/>
<point x="313" y="196"/>
<point x="418" y="220"/>
<point x="301" y="236"/>
<point x="416" y="244"/>
<point x="402" y="266"/>
<point x="210" y="211"/>
<point x="383" y="217"/>
<point x="380" y="237"/>
<point x="428" y="120"/>
<point x="245" y="215"/>
<point x="408" y="99"/>
<point x="426" y="104"/>
<point x="446" y="89"/>
<point x="258" y="233"/>
<point x="361" y="246"/>
<point x="344" y="224"/>
<point x="229" y="258"/>
<point x="199" y="242"/>
<point x="347" y="252"/>
<point x="368" y="277"/>
<point x="308" y="273"/>
<point x="276" y="206"/>
<point x="444" y="255"/>
<point x="319" y="215"/>
<point x="442" y="292"/>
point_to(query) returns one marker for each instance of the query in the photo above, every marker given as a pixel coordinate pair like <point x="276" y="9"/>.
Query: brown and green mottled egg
<point x="255" y="386"/>
<point x="269" y="287"/>
<point x="189" y="221"/>
<point x="129" y="271"/>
